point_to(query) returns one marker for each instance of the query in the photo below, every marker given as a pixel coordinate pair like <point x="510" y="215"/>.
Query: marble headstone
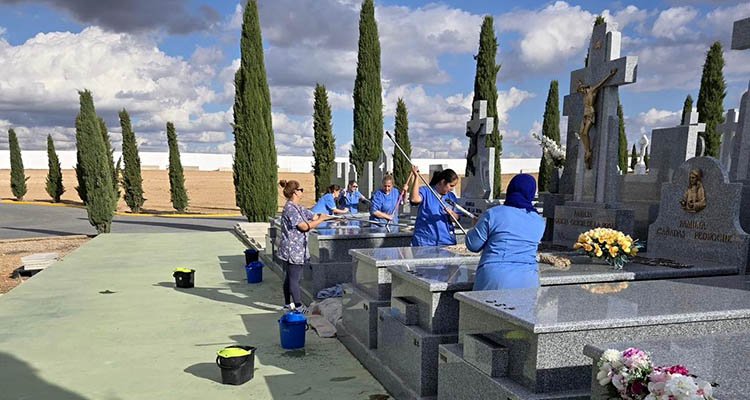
<point x="741" y="152"/>
<point x="670" y="147"/>
<point x="604" y="58"/>
<point x="480" y="165"/>
<point x="727" y="129"/>
<point x="741" y="34"/>
<point x="699" y="217"/>
<point x="640" y="168"/>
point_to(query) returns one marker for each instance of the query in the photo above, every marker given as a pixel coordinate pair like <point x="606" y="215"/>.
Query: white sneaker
<point x="303" y="309"/>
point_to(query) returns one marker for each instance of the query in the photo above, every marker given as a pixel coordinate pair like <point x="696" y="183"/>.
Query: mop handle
<point x="437" y="196"/>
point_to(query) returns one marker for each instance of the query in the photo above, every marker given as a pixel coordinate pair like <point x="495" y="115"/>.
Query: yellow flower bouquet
<point x="614" y="247"/>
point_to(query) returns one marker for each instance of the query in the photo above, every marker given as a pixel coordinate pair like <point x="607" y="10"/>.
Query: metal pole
<point x="437" y="196"/>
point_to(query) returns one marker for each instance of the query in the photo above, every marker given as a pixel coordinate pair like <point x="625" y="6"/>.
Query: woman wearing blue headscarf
<point x="508" y="237"/>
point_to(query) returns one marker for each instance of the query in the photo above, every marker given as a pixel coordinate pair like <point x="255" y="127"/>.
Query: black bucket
<point x="251" y="256"/>
<point x="237" y="369"/>
<point x="184" y="278"/>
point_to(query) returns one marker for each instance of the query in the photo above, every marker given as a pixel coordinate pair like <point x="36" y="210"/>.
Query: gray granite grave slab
<point x="712" y="234"/>
<point x="372" y="276"/>
<point x="713" y="358"/>
<point x="410" y="352"/>
<point x="477" y="184"/>
<point x="572" y="219"/>
<point x="360" y="315"/>
<point x="431" y="289"/>
<point x="545" y="329"/>
<point x="459" y="380"/>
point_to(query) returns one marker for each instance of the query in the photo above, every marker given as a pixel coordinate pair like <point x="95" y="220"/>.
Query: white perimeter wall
<point x="213" y="162"/>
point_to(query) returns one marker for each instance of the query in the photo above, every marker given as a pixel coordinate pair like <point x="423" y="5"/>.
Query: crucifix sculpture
<point x="589" y="114"/>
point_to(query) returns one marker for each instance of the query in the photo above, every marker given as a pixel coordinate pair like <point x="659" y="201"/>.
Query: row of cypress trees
<point x="18" y="178"/>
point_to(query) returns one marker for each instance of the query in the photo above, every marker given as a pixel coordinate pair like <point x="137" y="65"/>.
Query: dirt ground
<point x="11" y="252"/>
<point x="210" y="192"/>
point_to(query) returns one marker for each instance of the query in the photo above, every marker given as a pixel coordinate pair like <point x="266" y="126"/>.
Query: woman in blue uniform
<point x="327" y="203"/>
<point x="384" y="205"/>
<point x="433" y="226"/>
<point x="349" y="199"/>
<point x="508" y="237"/>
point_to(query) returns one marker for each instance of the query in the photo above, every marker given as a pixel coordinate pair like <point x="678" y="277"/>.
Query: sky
<point x="175" y="60"/>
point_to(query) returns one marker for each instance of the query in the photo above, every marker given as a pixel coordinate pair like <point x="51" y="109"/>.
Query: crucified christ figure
<point x="589" y="97"/>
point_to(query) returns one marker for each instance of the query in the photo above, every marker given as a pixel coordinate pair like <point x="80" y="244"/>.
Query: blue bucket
<point x="251" y="255"/>
<point x="254" y="272"/>
<point x="292" y="327"/>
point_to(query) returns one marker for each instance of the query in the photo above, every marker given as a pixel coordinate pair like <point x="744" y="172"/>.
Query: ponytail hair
<point x="289" y="187"/>
<point x="446" y="175"/>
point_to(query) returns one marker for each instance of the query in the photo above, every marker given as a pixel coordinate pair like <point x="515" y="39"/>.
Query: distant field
<point x="209" y="191"/>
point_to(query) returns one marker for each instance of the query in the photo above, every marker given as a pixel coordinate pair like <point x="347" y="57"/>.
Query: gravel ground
<point x="11" y="252"/>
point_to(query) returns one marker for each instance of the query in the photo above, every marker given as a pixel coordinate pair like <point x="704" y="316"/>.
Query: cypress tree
<point x="55" y="187"/>
<point x="81" y="146"/>
<point x="324" y="146"/>
<point x="132" y="181"/>
<point x="550" y="129"/>
<point x="255" y="169"/>
<point x="18" y="176"/>
<point x="177" y="191"/>
<point x="711" y="98"/>
<point x="401" y="167"/>
<point x="485" y="88"/>
<point x="96" y="166"/>
<point x="646" y="158"/>
<point x="623" y="149"/>
<point x="687" y="108"/>
<point x="114" y="170"/>
<point x="368" y="103"/>
<point x="633" y="159"/>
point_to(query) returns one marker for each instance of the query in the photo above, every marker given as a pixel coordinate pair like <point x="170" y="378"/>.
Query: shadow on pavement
<point x="19" y="380"/>
<point x="208" y="371"/>
<point x="190" y="227"/>
<point x="44" y="231"/>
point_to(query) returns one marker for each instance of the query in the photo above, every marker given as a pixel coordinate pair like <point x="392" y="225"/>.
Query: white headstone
<point x="640" y="168"/>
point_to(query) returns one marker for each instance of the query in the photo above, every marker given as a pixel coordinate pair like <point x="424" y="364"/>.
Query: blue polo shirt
<point x="386" y="203"/>
<point x="325" y="205"/>
<point x="433" y="226"/>
<point x="350" y="200"/>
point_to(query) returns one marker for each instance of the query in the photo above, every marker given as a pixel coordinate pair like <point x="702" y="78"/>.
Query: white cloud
<point x="672" y="23"/>
<point x="647" y="121"/>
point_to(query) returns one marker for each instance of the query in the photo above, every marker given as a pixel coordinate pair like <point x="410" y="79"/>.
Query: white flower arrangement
<point x="555" y="152"/>
<point x="630" y="375"/>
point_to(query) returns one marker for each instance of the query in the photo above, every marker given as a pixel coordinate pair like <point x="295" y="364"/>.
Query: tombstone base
<point x="360" y="315"/>
<point x="459" y="380"/>
<point x="475" y="206"/>
<point x="410" y="353"/>
<point x="574" y="218"/>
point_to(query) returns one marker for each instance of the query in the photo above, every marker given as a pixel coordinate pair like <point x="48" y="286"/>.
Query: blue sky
<point x="174" y="60"/>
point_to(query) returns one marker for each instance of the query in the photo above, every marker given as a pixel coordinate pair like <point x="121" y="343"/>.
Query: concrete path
<point x="63" y="336"/>
<point x="22" y="221"/>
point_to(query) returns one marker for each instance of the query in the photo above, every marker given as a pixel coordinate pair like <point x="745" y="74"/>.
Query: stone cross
<point x="727" y="130"/>
<point x="604" y="57"/>
<point x="480" y="161"/>
<point x="741" y="34"/>
<point x="640" y="168"/>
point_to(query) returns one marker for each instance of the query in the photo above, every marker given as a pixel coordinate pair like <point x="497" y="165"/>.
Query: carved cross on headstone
<point x="640" y="167"/>
<point x="478" y="183"/>
<point x="604" y="58"/>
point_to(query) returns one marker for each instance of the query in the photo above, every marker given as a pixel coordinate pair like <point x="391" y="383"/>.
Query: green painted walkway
<point x="61" y="339"/>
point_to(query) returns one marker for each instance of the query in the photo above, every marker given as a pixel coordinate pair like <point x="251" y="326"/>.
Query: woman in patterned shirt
<point x="296" y="222"/>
